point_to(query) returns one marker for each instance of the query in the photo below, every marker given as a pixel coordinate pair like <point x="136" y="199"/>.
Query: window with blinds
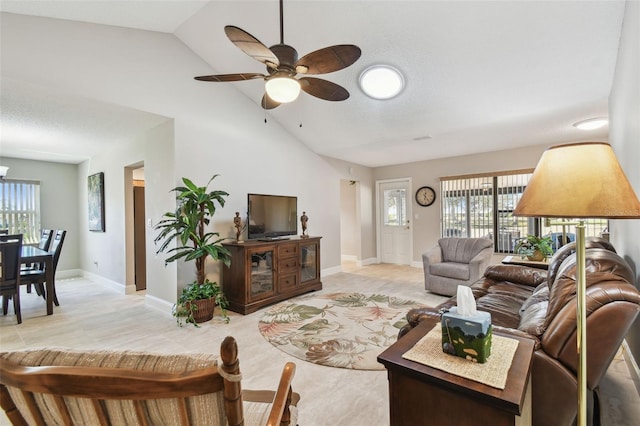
<point x="20" y="202"/>
<point x="482" y="206"/>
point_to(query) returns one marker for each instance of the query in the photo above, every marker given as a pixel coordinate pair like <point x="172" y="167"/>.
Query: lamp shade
<point x="3" y="171"/>
<point x="580" y="180"/>
<point x="282" y="89"/>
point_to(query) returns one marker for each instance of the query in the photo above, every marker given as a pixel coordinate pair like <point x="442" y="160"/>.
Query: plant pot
<point x="204" y="311"/>
<point x="537" y="256"/>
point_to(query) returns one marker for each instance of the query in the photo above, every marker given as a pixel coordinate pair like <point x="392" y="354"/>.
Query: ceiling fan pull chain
<point x="300" y="116"/>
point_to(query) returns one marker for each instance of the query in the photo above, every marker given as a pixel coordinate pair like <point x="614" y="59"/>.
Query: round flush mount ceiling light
<point x="591" y="123"/>
<point x="381" y="81"/>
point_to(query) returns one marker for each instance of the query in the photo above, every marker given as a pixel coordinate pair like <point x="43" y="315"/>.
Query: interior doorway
<point x="135" y="228"/>
<point x="393" y="202"/>
<point x="139" y="235"/>
<point x="350" y="228"/>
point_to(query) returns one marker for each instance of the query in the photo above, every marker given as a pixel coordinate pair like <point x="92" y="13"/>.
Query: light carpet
<point x="92" y="316"/>
<point x="346" y="330"/>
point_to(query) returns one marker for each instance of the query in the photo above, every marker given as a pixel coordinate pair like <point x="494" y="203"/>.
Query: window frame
<point x="497" y="217"/>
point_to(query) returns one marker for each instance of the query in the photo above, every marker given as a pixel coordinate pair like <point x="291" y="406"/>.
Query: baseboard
<point x="359" y="263"/>
<point x="158" y="304"/>
<point x="417" y="264"/>
<point x="369" y="261"/>
<point x="331" y="271"/>
<point x="69" y="273"/>
<point x="119" y="287"/>
<point x="151" y="301"/>
<point x="632" y="365"/>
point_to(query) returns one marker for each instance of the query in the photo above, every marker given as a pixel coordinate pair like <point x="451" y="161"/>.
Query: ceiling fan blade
<point x="323" y="89"/>
<point x="251" y="46"/>
<point x="268" y="103"/>
<point x="230" y="77"/>
<point x="329" y="59"/>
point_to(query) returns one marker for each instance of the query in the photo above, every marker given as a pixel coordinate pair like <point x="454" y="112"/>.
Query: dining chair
<point x="10" y="253"/>
<point x="38" y="277"/>
<point x="45" y="241"/>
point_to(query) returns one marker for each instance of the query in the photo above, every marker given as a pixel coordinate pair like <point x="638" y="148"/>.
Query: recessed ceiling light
<point x="591" y="123"/>
<point x="381" y="81"/>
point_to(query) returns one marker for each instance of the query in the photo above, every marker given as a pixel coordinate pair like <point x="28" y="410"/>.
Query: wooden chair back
<point x="56" y="246"/>
<point x="37" y="276"/>
<point x="45" y="239"/>
<point x="103" y="387"/>
<point x="129" y="388"/>
<point x="10" y="256"/>
<point x="43" y="244"/>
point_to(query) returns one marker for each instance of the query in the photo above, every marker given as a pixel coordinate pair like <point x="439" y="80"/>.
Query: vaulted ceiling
<point x="480" y="75"/>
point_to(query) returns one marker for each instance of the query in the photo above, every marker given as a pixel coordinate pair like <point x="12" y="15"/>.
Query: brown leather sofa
<point x="541" y="305"/>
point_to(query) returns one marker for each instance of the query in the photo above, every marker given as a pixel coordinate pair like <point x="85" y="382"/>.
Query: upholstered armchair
<point x="72" y="387"/>
<point x="455" y="261"/>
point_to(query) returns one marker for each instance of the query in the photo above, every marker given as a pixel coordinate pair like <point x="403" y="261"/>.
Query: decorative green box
<point x="468" y="337"/>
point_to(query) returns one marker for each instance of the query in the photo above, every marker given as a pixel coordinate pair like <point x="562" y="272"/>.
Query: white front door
<point x="394" y="224"/>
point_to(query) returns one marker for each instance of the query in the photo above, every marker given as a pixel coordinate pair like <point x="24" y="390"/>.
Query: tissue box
<point x="467" y="336"/>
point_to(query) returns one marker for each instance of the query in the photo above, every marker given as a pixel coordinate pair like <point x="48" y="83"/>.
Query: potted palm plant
<point x="534" y="248"/>
<point x="187" y="225"/>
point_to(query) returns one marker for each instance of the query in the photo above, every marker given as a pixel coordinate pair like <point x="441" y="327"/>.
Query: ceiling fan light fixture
<point x="282" y="89"/>
<point x="591" y="123"/>
<point x="381" y="81"/>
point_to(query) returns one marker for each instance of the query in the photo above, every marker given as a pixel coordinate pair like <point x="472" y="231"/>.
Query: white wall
<point x="364" y="205"/>
<point x="58" y="200"/>
<point x="104" y="254"/>
<point x="159" y="174"/>
<point x="217" y="131"/>
<point x="426" y="220"/>
<point x="624" y="113"/>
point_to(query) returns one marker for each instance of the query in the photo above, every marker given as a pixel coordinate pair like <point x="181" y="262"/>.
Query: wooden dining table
<point x="31" y="254"/>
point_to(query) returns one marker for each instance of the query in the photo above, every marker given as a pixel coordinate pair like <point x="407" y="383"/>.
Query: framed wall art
<point x="96" y="202"/>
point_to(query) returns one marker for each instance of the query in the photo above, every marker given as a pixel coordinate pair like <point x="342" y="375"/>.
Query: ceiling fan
<point x="283" y="65"/>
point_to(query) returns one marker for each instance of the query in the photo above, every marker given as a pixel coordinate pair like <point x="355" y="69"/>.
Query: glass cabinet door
<point x="308" y="262"/>
<point x="262" y="273"/>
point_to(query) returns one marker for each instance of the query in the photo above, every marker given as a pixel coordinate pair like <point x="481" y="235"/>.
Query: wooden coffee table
<point x="420" y="395"/>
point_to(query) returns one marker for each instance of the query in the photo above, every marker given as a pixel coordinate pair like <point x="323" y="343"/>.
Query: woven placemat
<point x="428" y="351"/>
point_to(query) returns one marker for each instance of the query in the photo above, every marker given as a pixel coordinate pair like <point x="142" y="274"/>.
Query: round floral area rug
<point x="347" y="330"/>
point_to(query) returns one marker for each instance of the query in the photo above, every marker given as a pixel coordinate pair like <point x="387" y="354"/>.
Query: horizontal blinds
<point x="20" y="203"/>
<point x="487" y="175"/>
<point x="481" y="205"/>
<point x="509" y="227"/>
<point x="466" y="207"/>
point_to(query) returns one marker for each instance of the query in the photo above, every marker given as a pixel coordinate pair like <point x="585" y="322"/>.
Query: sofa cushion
<point x="516" y="274"/>
<point x="203" y="407"/>
<point x="458" y="271"/>
<point x="532" y="319"/>
<point x="504" y="310"/>
<point x="540" y="294"/>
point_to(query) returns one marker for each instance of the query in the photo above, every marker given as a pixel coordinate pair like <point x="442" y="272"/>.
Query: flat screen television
<point x="271" y="216"/>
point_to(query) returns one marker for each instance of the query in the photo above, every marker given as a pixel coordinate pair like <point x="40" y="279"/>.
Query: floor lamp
<point x="579" y="181"/>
